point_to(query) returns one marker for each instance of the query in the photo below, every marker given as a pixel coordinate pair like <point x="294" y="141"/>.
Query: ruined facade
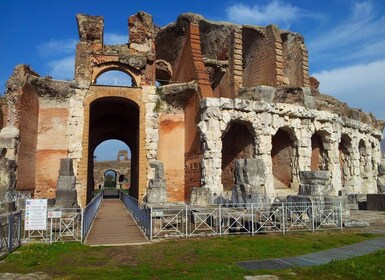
<point x="204" y="96"/>
<point x="121" y="168"/>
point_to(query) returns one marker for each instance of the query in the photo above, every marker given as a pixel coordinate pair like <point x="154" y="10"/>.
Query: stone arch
<point x="345" y="158"/>
<point x="127" y="127"/>
<point x="106" y="67"/>
<point x="284" y="157"/>
<point x="237" y="143"/>
<point x="106" y="178"/>
<point x="319" y="155"/>
<point x="163" y="71"/>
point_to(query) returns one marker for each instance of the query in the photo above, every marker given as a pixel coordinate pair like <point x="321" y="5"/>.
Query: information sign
<point x="36" y="214"/>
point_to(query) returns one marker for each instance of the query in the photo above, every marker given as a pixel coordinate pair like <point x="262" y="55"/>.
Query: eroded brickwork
<point x="205" y="96"/>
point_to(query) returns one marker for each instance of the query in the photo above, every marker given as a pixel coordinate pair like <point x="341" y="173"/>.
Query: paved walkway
<point x="113" y="225"/>
<point x="318" y="258"/>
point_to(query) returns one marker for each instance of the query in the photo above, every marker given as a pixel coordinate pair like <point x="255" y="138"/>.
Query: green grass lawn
<point x="195" y="258"/>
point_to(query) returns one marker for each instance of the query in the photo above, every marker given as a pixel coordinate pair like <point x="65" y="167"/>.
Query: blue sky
<point x="345" y="38"/>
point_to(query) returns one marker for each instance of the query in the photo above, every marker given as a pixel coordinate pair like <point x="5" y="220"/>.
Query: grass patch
<point x="197" y="258"/>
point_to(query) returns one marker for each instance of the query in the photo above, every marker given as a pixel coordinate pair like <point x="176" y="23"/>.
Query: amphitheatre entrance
<point x="114" y="117"/>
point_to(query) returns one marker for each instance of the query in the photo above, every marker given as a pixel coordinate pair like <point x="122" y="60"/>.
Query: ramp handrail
<point x="89" y="214"/>
<point x="140" y="212"/>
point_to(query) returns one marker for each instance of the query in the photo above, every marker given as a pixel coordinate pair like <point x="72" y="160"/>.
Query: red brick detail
<point x="200" y="68"/>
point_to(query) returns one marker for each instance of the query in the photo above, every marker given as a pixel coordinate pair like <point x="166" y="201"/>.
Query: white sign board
<point x="35" y="214"/>
<point x="54" y="214"/>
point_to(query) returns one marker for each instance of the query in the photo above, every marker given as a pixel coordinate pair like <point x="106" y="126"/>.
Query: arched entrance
<point x="237" y="143"/>
<point x="283" y="158"/>
<point x="114" y="117"/>
<point x="110" y="179"/>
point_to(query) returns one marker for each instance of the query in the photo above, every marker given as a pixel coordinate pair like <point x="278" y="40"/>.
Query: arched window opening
<point x="115" y="78"/>
<point x="114" y="155"/>
<point x="282" y="157"/>
<point x="319" y="158"/>
<point x="110" y="179"/>
<point x="237" y="143"/>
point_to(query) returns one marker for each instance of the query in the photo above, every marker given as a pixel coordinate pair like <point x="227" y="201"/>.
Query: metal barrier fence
<point x="188" y="221"/>
<point x="89" y="214"/>
<point x="140" y="212"/>
<point x="65" y="225"/>
<point x="10" y="232"/>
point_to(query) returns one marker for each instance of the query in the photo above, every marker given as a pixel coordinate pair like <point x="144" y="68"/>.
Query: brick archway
<point x="113" y="113"/>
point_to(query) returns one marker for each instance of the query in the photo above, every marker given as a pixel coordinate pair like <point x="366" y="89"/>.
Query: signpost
<point x="36" y="214"/>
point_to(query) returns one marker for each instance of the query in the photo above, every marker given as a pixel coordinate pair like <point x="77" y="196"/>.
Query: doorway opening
<point x="114" y="119"/>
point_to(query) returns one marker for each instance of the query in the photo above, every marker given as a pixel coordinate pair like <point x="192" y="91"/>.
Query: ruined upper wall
<point x="237" y="55"/>
<point x="136" y="58"/>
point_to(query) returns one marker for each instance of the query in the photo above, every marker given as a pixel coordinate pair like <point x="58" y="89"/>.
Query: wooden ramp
<point x="113" y="225"/>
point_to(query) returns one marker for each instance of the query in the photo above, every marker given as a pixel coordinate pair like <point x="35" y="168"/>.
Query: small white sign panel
<point x="54" y="214"/>
<point x="35" y="214"/>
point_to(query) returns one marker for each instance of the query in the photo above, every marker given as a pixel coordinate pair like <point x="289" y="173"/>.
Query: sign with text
<point x="54" y="214"/>
<point x="35" y="214"/>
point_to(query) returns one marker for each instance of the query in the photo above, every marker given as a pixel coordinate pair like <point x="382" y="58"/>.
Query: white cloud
<point x="276" y="12"/>
<point x="55" y="47"/>
<point x="62" y="69"/>
<point x="356" y="36"/>
<point x="114" y="39"/>
<point x="361" y="86"/>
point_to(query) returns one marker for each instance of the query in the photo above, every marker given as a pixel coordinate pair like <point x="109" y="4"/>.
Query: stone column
<point x="212" y="145"/>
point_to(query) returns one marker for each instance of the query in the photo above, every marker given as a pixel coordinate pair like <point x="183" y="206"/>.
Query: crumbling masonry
<point x="222" y="110"/>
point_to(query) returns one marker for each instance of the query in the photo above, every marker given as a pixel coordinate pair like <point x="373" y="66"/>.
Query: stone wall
<point x="266" y="119"/>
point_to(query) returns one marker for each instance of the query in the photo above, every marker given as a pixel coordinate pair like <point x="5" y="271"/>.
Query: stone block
<point x="339" y="201"/>
<point x="376" y="202"/>
<point x="66" y="194"/>
<point x="314" y="182"/>
<point x="201" y="196"/>
<point x="381" y="167"/>
<point x="310" y="102"/>
<point x="250" y="172"/>
<point x="381" y="184"/>
<point x="66" y="167"/>
<point x="156" y="195"/>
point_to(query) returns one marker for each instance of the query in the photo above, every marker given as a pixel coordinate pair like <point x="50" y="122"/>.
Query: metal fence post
<point x="312" y="215"/>
<point x="81" y="225"/>
<point x="283" y="218"/>
<point x="19" y="221"/>
<point x="340" y="210"/>
<point x="151" y="223"/>
<point x="252" y="219"/>
<point x="220" y="220"/>
<point x="10" y="232"/>
<point x="186" y="222"/>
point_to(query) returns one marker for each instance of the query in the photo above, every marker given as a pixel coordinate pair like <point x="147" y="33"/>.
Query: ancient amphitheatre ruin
<point x="216" y="112"/>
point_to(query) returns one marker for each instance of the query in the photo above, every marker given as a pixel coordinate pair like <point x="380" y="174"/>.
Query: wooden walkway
<point x="113" y="225"/>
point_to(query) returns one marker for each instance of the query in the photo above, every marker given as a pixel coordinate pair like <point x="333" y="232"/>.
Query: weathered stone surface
<point x="156" y="191"/>
<point x="90" y="28"/>
<point x="201" y="196"/>
<point x="314" y="182"/>
<point x="66" y="194"/>
<point x="214" y="76"/>
<point x="250" y="182"/>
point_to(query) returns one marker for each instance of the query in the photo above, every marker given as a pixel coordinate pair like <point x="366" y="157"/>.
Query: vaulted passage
<point x="114" y="118"/>
<point x="345" y="160"/>
<point x="237" y="143"/>
<point x="282" y="159"/>
<point x="319" y="158"/>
